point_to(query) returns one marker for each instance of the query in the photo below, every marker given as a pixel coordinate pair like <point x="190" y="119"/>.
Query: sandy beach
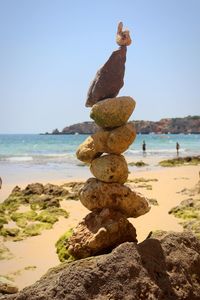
<point x="33" y="256"/>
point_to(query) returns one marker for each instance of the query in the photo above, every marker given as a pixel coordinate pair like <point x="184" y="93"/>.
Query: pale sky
<point x="51" y="50"/>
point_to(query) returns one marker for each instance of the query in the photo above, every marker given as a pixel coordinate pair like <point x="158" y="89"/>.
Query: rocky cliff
<point x="190" y="124"/>
<point x="165" y="267"/>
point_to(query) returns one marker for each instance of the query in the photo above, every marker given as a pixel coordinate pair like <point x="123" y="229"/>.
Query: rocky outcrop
<point x="190" y="124"/>
<point x="163" y="268"/>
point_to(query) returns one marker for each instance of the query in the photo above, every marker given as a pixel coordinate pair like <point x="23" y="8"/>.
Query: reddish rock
<point x="99" y="232"/>
<point x="109" y="79"/>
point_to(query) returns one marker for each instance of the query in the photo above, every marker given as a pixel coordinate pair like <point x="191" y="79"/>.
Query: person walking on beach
<point x="0" y="182"/>
<point x="144" y="147"/>
<point x="177" y="148"/>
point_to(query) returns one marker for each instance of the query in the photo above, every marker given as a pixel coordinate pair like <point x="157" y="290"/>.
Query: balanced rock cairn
<point x="106" y="195"/>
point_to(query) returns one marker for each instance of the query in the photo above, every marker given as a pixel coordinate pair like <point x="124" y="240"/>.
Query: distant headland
<point x="187" y="125"/>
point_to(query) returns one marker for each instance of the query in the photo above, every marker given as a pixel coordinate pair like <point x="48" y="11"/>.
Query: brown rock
<point x="7" y="286"/>
<point x="109" y="79"/>
<point x="110" y="168"/>
<point x="113" y="141"/>
<point x="96" y="194"/>
<point x="33" y="188"/>
<point x="100" y="232"/>
<point x="113" y="112"/>
<point x="167" y="268"/>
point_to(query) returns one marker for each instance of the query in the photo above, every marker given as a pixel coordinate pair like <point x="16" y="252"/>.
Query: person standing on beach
<point x="144" y="147"/>
<point x="177" y="148"/>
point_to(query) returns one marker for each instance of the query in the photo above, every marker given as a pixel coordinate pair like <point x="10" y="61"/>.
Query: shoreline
<point x="30" y="259"/>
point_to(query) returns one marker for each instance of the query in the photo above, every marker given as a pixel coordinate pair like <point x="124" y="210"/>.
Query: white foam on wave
<point x="155" y="151"/>
<point x="20" y="158"/>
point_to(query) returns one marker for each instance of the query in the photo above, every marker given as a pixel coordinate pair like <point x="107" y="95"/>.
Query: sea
<point x="34" y="157"/>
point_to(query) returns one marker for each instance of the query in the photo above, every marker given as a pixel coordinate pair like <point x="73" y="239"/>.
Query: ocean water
<point x="31" y="155"/>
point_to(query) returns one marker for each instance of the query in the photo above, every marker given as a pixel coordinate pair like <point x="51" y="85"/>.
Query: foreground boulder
<point x="100" y="232"/>
<point x="96" y="194"/>
<point x="167" y="268"/>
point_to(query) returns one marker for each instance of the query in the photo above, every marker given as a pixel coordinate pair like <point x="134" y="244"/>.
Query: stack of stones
<point x="106" y="195"/>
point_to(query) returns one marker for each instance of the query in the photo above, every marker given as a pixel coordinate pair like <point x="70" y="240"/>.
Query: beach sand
<point x="35" y="255"/>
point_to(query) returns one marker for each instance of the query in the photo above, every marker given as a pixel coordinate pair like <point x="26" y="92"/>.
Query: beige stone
<point x="110" y="168"/>
<point x="87" y="151"/>
<point x="112" y="112"/>
<point x="99" y="232"/>
<point x="114" y="141"/>
<point x="96" y="194"/>
<point x="123" y="36"/>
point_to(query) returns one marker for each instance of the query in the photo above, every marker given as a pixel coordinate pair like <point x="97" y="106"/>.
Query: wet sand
<point x="35" y="255"/>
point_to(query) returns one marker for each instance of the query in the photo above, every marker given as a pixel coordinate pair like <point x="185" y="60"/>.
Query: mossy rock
<point x="179" y="161"/>
<point x="188" y="211"/>
<point x="47" y="217"/>
<point x="3" y="220"/>
<point x="142" y="180"/>
<point x="36" y="229"/>
<point x="138" y="164"/>
<point x="187" y="214"/>
<point x="58" y="212"/>
<point x="12" y="232"/>
<point x="62" y="247"/>
<point x="29" y="215"/>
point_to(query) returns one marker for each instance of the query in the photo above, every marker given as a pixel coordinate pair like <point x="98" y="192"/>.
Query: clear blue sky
<point x="51" y="50"/>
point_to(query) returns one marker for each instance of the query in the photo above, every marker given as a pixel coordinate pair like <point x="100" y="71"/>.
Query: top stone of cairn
<point x="109" y="78"/>
<point x="123" y="37"/>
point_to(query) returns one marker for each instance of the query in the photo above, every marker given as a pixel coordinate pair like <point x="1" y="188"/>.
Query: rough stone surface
<point x="167" y="268"/>
<point x="88" y="151"/>
<point x="109" y="79"/>
<point x="107" y="141"/>
<point x="96" y="194"/>
<point x="110" y="168"/>
<point x="7" y="286"/>
<point x="100" y="232"/>
<point x="112" y="112"/>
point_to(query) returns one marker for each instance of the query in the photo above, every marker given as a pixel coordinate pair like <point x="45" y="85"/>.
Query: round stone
<point x="96" y="194"/>
<point x="112" y="112"/>
<point x="110" y="168"/>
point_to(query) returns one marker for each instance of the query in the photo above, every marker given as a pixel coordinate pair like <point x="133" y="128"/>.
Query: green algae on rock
<point x="27" y="212"/>
<point x="180" y="161"/>
<point x="138" y="164"/>
<point x="62" y="247"/>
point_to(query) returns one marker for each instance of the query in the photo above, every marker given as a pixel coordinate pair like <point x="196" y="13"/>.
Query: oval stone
<point x="112" y="112"/>
<point x="114" y="141"/>
<point x="110" y="168"/>
<point x="96" y="194"/>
